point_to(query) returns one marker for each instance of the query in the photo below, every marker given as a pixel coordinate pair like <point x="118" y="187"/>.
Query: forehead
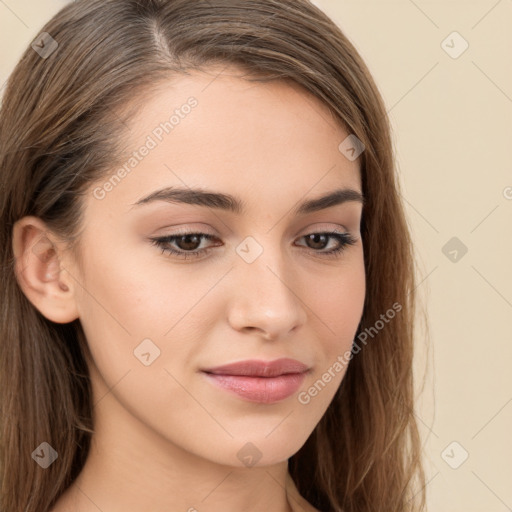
<point x="217" y="130"/>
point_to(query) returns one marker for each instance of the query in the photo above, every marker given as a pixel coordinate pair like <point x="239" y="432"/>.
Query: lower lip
<point x="263" y="390"/>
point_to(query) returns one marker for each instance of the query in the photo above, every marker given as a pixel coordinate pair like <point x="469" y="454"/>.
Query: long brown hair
<point x="62" y="121"/>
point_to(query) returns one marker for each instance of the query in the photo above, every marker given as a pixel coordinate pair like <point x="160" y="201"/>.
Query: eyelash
<point x="345" y="240"/>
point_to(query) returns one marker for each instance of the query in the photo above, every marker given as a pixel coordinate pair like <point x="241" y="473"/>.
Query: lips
<point x="259" y="381"/>
<point x="257" y="368"/>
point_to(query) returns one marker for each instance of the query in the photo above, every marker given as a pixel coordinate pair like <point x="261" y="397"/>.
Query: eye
<point x="187" y="243"/>
<point x="323" y="238"/>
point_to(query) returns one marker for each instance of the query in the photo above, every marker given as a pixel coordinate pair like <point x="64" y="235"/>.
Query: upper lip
<point x="258" y="368"/>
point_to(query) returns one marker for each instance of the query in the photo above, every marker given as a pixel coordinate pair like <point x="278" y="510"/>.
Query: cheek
<point x="136" y="295"/>
<point x="337" y="310"/>
<point x="134" y="307"/>
<point x="337" y="303"/>
<point x="131" y="317"/>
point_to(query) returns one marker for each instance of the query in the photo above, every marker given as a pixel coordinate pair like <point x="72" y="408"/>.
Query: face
<point x="255" y="275"/>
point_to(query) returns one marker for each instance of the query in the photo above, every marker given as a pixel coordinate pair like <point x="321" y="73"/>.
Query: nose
<point x="265" y="297"/>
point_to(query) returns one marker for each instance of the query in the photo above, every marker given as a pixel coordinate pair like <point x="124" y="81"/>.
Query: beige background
<point x="451" y="119"/>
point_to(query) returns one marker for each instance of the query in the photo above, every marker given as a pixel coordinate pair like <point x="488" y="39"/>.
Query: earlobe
<point x="40" y="271"/>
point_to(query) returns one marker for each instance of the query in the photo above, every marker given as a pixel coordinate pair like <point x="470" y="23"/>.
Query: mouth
<point x="259" y="381"/>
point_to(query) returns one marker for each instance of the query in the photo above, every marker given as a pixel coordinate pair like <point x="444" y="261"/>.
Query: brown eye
<point x="187" y="244"/>
<point x="319" y="241"/>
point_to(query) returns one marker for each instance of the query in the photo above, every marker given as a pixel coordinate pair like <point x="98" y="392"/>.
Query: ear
<point x="40" y="269"/>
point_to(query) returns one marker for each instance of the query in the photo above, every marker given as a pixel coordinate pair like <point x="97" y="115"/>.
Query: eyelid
<point x="192" y="229"/>
<point x="322" y="228"/>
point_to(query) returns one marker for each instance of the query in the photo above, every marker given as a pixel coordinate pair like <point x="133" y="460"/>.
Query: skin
<point x="165" y="438"/>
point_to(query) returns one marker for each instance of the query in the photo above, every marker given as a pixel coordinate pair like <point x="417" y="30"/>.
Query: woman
<point x="208" y="276"/>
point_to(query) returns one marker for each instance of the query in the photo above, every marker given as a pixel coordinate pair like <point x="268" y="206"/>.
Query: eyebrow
<point x="220" y="201"/>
